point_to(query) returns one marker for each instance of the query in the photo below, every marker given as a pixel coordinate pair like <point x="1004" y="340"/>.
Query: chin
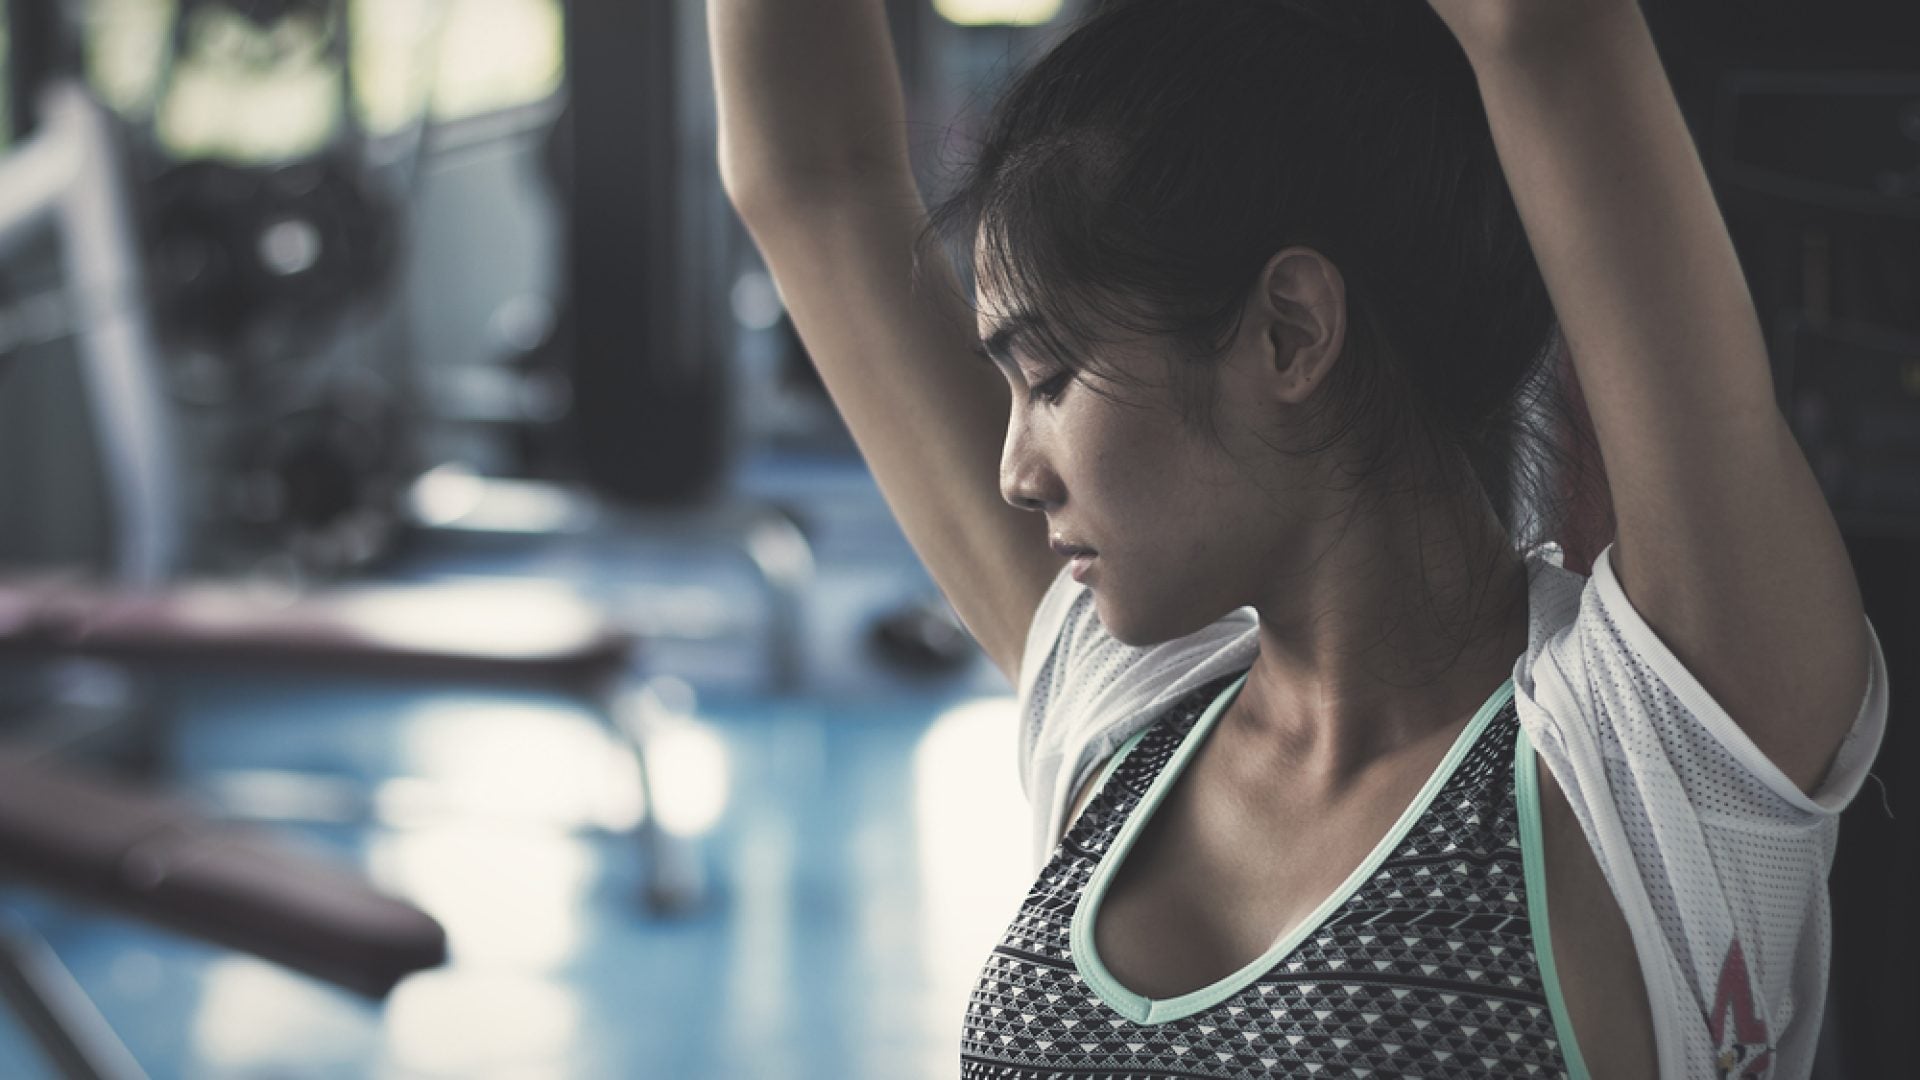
<point x="1141" y="626"/>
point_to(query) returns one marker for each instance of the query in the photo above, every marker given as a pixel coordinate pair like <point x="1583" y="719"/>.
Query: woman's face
<point x="1183" y="527"/>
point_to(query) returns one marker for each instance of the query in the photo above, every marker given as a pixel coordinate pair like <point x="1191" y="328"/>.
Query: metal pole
<point x="50" y="1004"/>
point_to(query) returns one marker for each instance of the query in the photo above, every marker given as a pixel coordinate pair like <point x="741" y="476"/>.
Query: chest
<point x="1209" y="887"/>
<point x="1211" y="881"/>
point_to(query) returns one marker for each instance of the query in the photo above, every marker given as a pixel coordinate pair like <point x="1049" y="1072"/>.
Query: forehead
<point x="1011" y="309"/>
<point x="1001" y="321"/>
<point x="1006" y="280"/>
<point x="991" y="304"/>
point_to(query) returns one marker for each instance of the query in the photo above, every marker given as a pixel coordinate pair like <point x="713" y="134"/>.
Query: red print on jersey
<point x="1742" y="1050"/>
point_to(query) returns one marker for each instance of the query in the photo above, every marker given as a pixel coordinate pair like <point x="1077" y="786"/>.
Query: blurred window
<point x="125" y="40"/>
<point x="998" y="12"/>
<point x="496" y="54"/>
<point x="252" y="93"/>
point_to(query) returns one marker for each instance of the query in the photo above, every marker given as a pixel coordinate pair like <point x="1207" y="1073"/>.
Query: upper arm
<point x="1724" y="541"/>
<point x="1712" y="850"/>
<point x="1767" y="617"/>
<point x="894" y="346"/>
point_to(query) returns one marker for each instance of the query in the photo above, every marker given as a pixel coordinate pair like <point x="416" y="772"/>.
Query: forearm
<point x="1643" y="275"/>
<point x="809" y="96"/>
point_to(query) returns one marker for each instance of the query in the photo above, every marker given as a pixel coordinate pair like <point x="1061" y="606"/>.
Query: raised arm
<point x="1725" y="544"/>
<point x="813" y="153"/>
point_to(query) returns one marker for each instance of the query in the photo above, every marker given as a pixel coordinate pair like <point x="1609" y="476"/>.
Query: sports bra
<point x="1431" y="959"/>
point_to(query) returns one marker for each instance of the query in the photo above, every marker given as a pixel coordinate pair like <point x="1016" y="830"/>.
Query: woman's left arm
<point x="1725" y="544"/>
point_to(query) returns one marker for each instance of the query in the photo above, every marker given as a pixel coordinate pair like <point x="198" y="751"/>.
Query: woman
<point x="1336" y="767"/>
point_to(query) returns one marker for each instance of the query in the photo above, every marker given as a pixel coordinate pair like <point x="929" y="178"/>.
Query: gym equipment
<point x="649" y="392"/>
<point x="264" y="13"/>
<point x="324" y="479"/>
<point x="112" y="845"/>
<point x="267" y="275"/>
<point x="150" y="858"/>
<point x="140" y="853"/>
<point x="925" y="637"/>
<point x="65" y="176"/>
<point x="556" y="641"/>
<point x="63" y="1021"/>
<point x="261" y="259"/>
<point x="81" y="836"/>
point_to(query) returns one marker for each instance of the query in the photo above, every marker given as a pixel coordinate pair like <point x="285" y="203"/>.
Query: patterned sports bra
<point x="1423" y="962"/>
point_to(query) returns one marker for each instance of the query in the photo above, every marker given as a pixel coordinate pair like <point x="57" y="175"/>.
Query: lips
<point x="1068" y="549"/>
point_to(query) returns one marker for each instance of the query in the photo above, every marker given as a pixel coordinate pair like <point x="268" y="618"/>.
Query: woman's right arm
<point x="813" y="154"/>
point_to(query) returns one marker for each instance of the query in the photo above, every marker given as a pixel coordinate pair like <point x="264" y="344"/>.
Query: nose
<point x="1027" y="482"/>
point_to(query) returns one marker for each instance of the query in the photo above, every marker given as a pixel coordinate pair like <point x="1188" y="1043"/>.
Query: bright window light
<point x="456" y="58"/>
<point x="998" y="12"/>
<point x="974" y="846"/>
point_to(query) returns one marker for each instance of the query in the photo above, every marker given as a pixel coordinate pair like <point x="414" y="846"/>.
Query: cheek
<point x="1125" y="448"/>
<point x="1172" y="500"/>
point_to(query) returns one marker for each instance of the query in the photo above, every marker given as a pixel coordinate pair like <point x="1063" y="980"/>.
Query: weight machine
<point x="250" y="262"/>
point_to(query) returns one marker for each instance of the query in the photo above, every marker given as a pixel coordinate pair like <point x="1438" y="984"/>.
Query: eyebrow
<point x="998" y="345"/>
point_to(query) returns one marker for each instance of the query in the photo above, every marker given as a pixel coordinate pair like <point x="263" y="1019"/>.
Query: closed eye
<point x="1050" y="391"/>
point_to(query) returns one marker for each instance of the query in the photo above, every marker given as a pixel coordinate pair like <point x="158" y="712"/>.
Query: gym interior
<point x="446" y="630"/>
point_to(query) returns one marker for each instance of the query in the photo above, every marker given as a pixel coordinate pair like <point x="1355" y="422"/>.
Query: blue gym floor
<point x="863" y="837"/>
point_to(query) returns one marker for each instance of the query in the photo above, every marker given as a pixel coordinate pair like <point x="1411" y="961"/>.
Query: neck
<point x="1389" y="637"/>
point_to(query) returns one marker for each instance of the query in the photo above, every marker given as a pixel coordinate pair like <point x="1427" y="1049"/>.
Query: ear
<point x="1298" y="311"/>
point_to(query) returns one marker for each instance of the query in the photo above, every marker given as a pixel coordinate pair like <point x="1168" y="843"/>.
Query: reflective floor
<point x="861" y="837"/>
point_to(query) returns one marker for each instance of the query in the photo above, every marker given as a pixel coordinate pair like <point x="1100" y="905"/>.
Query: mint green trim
<point x="1145" y="1010"/>
<point x="1533" y="854"/>
<point x="1120" y="755"/>
<point x="1106" y="772"/>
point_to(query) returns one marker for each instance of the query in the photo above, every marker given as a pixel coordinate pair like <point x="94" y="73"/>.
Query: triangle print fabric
<point x="1427" y="968"/>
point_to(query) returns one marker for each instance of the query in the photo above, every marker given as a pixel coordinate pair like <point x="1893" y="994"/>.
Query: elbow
<point x="763" y="202"/>
<point x="762" y="188"/>
<point x="745" y="187"/>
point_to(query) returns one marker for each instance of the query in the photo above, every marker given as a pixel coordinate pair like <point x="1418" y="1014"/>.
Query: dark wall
<point x="1808" y="116"/>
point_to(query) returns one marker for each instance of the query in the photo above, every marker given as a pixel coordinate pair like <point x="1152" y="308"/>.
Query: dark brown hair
<point x="1138" y="177"/>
